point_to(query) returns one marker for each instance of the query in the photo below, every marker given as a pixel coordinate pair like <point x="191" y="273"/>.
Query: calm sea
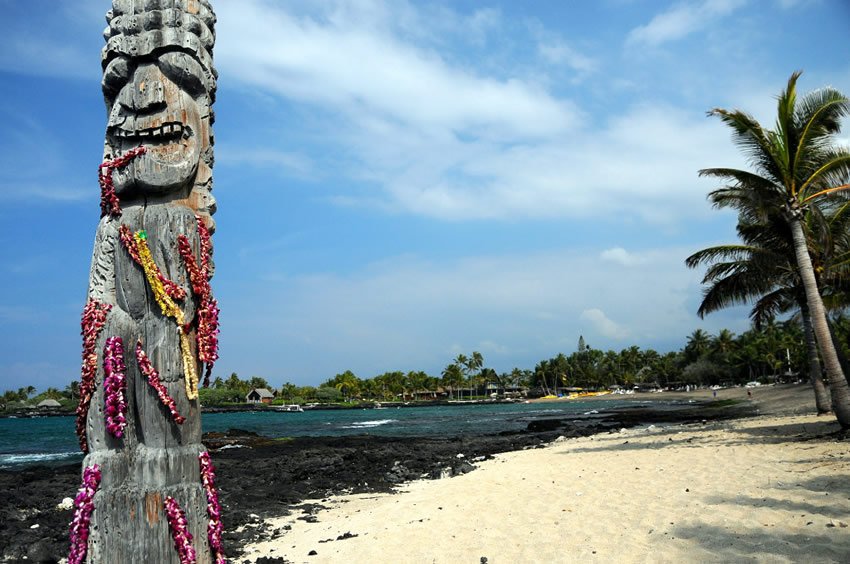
<point x="51" y="440"/>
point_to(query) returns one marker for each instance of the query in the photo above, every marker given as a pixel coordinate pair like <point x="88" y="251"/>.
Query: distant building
<point x="48" y="404"/>
<point x="259" y="395"/>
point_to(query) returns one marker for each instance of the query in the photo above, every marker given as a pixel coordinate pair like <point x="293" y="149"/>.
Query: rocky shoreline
<point x="260" y="477"/>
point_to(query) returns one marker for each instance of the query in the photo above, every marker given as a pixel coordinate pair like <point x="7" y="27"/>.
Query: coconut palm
<point x="453" y="377"/>
<point x="760" y="269"/>
<point x="796" y="165"/>
<point x="697" y="345"/>
<point x="348" y="384"/>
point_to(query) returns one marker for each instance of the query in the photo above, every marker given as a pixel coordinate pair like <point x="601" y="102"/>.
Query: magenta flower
<point x="214" y="526"/>
<point x="94" y="317"/>
<point x="180" y="531"/>
<point x="84" y="505"/>
<point x="114" y="386"/>
<point x="153" y="379"/>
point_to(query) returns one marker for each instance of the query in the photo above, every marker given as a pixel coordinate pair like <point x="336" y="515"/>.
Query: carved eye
<point x="184" y="71"/>
<point x="115" y="76"/>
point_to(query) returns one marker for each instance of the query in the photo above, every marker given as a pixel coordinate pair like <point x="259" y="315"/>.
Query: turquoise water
<point x="46" y="440"/>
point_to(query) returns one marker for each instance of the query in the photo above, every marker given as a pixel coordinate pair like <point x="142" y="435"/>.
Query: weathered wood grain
<point x="160" y="192"/>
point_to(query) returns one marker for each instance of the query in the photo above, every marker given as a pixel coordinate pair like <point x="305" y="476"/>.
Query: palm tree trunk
<point x="822" y="400"/>
<point x="837" y="382"/>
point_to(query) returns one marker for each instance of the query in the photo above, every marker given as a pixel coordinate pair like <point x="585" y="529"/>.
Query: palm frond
<point x="720" y="252"/>
<point x="837" y="167"/>
<point x="772" y="304"/>
<point x="751" y="138"/>
<point x="734" y="289"/>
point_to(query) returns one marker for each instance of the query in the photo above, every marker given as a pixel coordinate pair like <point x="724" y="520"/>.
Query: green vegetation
<point x="793" y="223"/>
<point x="768" y="352"/>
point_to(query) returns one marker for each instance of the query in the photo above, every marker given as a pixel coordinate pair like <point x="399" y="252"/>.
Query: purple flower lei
<point x="180" y="531"/>
<point x="84" y="504"/>
<point x="153" y="379"/>
<point x="114" y="384"/>
<point x="214" y="527"/>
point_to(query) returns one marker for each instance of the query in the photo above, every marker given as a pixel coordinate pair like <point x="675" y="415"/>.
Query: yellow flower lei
<point x="166" y="304"/>
<point x="188" y="365"/>
<point x="169" y="309"/>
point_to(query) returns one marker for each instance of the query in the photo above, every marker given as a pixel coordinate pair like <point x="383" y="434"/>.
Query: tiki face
<point x="162" y="103"/>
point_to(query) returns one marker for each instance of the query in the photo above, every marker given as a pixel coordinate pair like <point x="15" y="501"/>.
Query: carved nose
<point x="144" y="92"/>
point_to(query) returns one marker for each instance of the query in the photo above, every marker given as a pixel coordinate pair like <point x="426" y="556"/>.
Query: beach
<point x="770" y="488"/>
<point x="665" y="477"/>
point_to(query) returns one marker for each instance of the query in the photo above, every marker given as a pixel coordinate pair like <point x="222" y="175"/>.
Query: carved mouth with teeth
<point x="162" y="135"/>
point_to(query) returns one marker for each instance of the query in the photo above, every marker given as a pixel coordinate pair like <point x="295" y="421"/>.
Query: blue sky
<point x="399" y="182"/>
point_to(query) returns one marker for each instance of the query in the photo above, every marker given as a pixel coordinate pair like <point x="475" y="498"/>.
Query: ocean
<point x="51" y="440"/>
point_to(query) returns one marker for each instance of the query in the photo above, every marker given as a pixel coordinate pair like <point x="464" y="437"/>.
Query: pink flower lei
<point x="214" y="527"/>
<point x="109" y="203"/>
<point x="114" y="386"/>
<point x="208" y="311"/>
<point x="93" y="319"/>
<point x="180" y="531"/>
<point x="152" y="375"/>
<point x="84" y="504"/>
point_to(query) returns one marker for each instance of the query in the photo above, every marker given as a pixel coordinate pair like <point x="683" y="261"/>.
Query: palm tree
<point x="288" y="390"/>
<point x="348" y="384"/>
<point x="453" y="377"/>
<point x="697" y="345"/>
<point x="795" y="165"/>
<point x="73" y="390"/>
<point x="760" y="269"/>
<point x="473" y="369"/>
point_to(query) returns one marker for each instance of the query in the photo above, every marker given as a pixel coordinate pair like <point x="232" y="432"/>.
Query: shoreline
<point x="267" y="479"/>
<point x="765" y="488"/>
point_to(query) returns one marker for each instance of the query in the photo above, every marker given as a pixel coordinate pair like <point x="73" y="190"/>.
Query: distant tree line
<point x="767" y="352"/>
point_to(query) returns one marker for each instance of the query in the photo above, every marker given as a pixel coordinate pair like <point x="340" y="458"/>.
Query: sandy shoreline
<point x="771" y="488"/>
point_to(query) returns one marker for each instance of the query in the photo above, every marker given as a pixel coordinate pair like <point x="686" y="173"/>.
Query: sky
<point x="399" y="182"/>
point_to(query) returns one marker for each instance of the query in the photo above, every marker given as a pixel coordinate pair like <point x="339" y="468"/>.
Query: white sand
<point x="752" y="490"/>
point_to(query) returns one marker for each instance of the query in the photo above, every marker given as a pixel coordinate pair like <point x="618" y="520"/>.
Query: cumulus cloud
<point x="603" y="325"/>
<point x="682" y="20"/>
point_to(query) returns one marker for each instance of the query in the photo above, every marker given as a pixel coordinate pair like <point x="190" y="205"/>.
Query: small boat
<point x="293" y="408"/>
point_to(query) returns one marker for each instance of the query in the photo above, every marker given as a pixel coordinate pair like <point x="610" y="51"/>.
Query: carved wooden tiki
<point x="150" y="324"/>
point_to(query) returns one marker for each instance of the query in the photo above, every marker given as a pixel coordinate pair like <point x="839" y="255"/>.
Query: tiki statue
<point x="150" y="324"/>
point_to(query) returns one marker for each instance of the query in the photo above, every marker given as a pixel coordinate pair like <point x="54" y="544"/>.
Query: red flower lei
<point x="94" y="317"/>
<point x="214" y="527"/>
<point x="84" y="504"/>
<point x="109" y="203"/>
<point x="180" y="531"/>
<point x="114" y="386"/>
<point x="153" y="379"/>
<point x="207" y="334"/>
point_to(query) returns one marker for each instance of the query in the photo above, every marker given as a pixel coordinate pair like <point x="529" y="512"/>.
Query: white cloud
<point x="357" y="68"/>
<point x="285" y="162"/>
<point x="481" y="23"/>
<point x="431" y="137"/>
<point x="412" y="313"/>
<point x="557" y="51"/>
<point x="682" y="20"/>
<point x="603" y="325"/>
<point x="621" y="256"/>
